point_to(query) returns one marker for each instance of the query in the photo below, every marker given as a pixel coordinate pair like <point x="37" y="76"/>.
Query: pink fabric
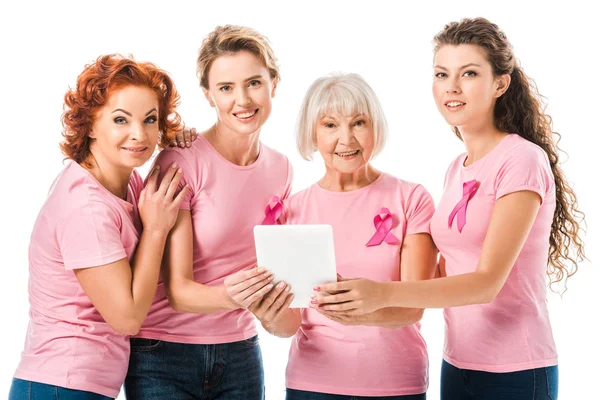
<point x="226" y="202"/>
<point x="328" y="357"/>
<point x="81" y="225"/>
<point x="513" y="332"/>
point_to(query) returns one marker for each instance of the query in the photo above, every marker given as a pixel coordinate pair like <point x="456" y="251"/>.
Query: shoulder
<point x="273" y="156"/>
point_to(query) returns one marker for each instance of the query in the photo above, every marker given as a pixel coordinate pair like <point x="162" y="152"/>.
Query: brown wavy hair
<point x="522" y="110"/>
<point x="97" y="82"/>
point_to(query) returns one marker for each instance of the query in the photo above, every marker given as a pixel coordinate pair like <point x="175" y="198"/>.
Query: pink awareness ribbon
<point x="383" y="225"/>
<point x="460" y="210"/>
<point x="273" y="211"/>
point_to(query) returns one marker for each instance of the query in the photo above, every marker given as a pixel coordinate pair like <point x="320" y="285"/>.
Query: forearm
<point x="394" y="317"/>
<point x="145" y="271"/>
<point x="286" y="325"/>
<point x="453" y="291"/>
<point x="186" y="295"/>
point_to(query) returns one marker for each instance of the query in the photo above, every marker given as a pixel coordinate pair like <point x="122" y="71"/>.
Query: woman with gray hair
<point x="381" y="231"/>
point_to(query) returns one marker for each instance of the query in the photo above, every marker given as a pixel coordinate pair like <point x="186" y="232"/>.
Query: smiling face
<point x="241" y="89"/>
<point x="125" y="130"/>
<point x="464" y="86"/>
<point x="345" y="142"/>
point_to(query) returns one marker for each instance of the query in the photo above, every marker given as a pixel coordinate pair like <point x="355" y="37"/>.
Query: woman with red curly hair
<point x="87" y="291"/>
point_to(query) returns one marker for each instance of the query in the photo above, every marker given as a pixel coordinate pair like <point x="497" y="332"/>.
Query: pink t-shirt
<point x="226" y="201"/>
<point x="328" y="357"/>
<point x="81" y="225"/>
<point x="513" y="332"/>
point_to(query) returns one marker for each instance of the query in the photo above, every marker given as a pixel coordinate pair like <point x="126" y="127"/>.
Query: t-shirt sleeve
<point x="190" y="176"/>
<point x="525" y="168"/>
<point x="89" y="235"/>
<point x="419" y="210"/>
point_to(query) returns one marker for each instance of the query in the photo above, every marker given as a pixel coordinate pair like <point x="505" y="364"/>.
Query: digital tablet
<point x="300" y="255"/>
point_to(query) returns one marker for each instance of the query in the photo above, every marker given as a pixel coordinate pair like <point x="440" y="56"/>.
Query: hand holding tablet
<point x="301" y="255"/>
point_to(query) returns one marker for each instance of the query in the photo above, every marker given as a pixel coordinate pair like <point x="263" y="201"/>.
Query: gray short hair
<point x="344" y="94"/>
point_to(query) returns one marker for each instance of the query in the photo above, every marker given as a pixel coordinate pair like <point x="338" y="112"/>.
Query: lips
<point x="136" y="149"/>
<point x="347" y="153"/>
<point x="246" y="114"/>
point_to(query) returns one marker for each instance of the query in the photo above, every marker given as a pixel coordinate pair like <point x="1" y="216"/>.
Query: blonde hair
<point x="344" y="94"/>
<point x="231" y="39"/>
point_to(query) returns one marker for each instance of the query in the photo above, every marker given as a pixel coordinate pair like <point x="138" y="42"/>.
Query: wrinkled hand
<point x="350" y="297"/>
<point x="158" y="206"/>
<point x="271" y="307"/>
<point x="245" y="287"/>
<point x="185" y="137"/>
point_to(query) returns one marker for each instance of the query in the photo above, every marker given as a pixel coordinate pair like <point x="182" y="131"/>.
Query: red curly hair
<point x="97" y="82"/>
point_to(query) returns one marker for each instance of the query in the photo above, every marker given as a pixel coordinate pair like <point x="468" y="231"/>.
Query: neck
<point x="113" y="178"/>
<point x="480" y="140"/>
<point x="239" y="149"/>
<point x="335" y="181"/>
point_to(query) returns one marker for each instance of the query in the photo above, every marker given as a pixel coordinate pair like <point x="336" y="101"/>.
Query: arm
<point x="123" y="293"/>
<point x="274" y="313"/>
<point x="512" y="218"/>
<point x="418" y="262"/>
<point x="186" y="295"/>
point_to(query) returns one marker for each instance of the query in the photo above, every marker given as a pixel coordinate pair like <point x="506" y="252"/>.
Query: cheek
<point x="325" y="144"/>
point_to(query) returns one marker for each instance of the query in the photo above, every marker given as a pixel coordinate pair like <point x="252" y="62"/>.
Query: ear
<point x="91" y="134"/>
<point x="208" y="97"/>
<point x="502" y="84"/>
<point x="274" y="88"/>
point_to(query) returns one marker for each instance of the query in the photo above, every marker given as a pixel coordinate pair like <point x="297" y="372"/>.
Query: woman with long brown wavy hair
<point x="507" y="220"/>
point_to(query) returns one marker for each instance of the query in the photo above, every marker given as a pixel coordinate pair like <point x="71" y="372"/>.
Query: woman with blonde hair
<point x="199" y="339"/>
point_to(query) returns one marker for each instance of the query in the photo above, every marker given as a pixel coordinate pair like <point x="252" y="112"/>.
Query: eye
<point x="225" y="88"/>
<point x="470" y="73"/>
<point x="440" y="75"/>
<point x="360" y="122"/>
<point x="120" y="120"/>
<point x="151" y="119"/>
<point x="254" y="83"/>
<point x="329" y="125"/>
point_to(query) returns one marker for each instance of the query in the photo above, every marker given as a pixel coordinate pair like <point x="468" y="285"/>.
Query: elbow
<point x="418" y="315"/>
<point x="127" y="326"/>
<point x="174" y="302"/>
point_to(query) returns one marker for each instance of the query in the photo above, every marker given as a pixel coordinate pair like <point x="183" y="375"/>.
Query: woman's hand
<point x="271" y="307"/>
<point x="245" y="287"/>
<point x="185" y="137"/>
<point x="352" y="297"/>
<point x="158" y="206"/>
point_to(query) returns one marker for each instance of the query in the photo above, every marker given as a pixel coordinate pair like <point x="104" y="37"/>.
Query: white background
<point x="45" y="45"/>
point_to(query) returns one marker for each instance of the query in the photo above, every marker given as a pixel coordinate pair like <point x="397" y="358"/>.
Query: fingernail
<point x="287" y="288"/>
<point x="157" y="168"/>
<point x="174" y="165"/>
<point x="179" y="171"/>
<point x="259" y="269"/>
<point x="280" y="284"/>
<point x="187" y="143"/>
<point x="317" y="288"/>
<point x="313" y="296"/>
<point x="313" y="301"/>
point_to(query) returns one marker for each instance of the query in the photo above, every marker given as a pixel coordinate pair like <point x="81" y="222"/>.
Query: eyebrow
<point x="245" y="80"/>
<point x="463" y="67"/>
<point x="128" y="113"/>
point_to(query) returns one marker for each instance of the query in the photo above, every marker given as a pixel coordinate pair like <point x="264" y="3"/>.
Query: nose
<point x="138" y="131"/>
<point x="346" y="135"/>
<point x="243" y="97"/>
<point x="453" y="87"/>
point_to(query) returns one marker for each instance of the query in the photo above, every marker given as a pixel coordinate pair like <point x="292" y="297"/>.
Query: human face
<point x="241" y="89"/>
<point x="345" y="142"/>
<point x="464" y="86"/>
<point x="125" y="129"/>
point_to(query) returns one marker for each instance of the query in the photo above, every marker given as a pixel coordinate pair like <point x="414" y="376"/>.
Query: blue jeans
<point x="530" y="384"/>
<point x="160" y="370"/>
<point x="293" y="394"/>
<point x="27" y="390"/>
